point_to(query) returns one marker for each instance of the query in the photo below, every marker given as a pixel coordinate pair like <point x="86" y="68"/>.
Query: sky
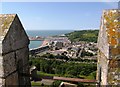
<point x="58" y="15"/>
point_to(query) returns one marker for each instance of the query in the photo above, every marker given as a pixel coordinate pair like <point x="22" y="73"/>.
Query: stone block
<point x="12" y="80"/>
<point x="9" y="63"/>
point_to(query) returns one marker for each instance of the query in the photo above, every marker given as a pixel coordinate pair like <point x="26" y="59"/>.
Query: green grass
<point x="42" y="74"/>
<point x="35" y="83"/>
<point x="83" y="35"/>
<point x="38" y="84"/>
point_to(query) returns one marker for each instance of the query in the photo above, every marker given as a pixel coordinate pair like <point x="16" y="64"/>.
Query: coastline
<point x="44" y="33"/>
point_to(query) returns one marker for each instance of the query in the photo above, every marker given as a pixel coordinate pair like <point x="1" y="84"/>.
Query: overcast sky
<point x="58" y="15"/>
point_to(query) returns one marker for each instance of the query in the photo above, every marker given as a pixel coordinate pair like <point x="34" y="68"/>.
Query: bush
<point x="61" y="68"/>
<point x="56" y="83"/>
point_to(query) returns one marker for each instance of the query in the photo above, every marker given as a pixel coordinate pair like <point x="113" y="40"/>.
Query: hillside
<point x="83" y="35"/>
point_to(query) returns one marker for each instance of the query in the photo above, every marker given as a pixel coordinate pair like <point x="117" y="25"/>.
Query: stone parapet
<point x="14" y="52"/>
<point x="109" y="48"/>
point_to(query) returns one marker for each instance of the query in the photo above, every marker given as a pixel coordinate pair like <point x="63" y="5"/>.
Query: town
<point x="61" y="45"/>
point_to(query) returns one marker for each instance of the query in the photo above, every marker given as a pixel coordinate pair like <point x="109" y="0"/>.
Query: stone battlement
<point x="14" y="52"/>
<point x="109" y="48"/>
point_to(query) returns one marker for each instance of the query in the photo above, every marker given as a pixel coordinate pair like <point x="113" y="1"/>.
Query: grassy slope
<point x="83" y="35"/>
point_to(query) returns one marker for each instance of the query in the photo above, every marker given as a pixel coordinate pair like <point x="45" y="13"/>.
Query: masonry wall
<point x="109" y="48"/>
<point x="14" y="66"/>
<point x="102" y="64"/>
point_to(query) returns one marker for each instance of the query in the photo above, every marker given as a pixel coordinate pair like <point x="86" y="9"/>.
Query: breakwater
<point x="37" y="50"/>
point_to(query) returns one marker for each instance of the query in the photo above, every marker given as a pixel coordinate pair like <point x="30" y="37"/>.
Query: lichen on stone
<point x="112" y="24"/>
<point x="110" y="34"/>
<point x="5" y="22"/>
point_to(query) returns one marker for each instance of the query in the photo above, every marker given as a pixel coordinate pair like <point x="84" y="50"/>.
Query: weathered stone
<point x="1" y="67"/>
<point x="12" y="80"/>
<point x="16" y="35"/>
<point x="14" y="52"/>
<point x="9" y="63"/>
<point x="109" y="48"/>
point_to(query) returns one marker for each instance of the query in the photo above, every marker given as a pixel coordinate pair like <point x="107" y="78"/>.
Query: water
<point x="34" y="44"/>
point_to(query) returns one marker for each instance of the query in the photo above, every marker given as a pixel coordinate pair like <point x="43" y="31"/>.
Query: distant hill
<point x="83" y="35"/>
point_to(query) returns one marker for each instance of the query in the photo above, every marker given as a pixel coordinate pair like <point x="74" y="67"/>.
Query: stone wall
<point x="109" y="48"/>
<point x="14" y="54"/>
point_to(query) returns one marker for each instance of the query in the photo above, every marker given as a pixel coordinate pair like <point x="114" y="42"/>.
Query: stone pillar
<point x="108" y="72"/>
<point x="14" y="52"/>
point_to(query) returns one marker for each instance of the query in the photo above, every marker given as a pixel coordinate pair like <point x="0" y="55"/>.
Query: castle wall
<point x="14" y="56"/>
<point x="109" y="48"/>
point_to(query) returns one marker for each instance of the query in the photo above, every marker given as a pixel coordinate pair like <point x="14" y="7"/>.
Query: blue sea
<point x="35" y="44"/>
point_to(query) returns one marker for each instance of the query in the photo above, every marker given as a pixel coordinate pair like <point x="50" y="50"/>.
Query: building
<point x="108" y="68"/>
<point x="14" y="52"/>
<point x="55" y="39"/>
<point x="58" y="45"/>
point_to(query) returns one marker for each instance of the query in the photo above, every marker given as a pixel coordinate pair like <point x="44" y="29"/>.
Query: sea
<point x="44" y="33"/>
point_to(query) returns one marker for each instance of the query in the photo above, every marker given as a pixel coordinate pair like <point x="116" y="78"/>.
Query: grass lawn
<point x="35" y="83"/>
<point x="41" y="74"/>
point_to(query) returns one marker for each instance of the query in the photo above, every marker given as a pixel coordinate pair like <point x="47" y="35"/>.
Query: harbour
<point x="34" y="43"/>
